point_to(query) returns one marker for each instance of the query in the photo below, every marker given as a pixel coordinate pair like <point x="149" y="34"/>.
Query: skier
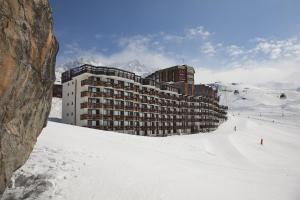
<point x="235" y="128"/>
<point x="261" y="141"/>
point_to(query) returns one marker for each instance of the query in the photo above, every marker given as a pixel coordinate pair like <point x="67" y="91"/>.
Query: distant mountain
<point x="132" y="66"/>
<point x="135" y="66"/>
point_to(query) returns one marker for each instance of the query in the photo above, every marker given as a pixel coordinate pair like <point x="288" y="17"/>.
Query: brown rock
<point x="28" y="50"/>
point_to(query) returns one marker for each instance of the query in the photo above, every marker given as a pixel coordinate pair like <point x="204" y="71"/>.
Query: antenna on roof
<point x="182" y="60"/>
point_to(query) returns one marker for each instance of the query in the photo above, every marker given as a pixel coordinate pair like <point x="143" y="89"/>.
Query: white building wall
<point x="68" y="102"/>
<point x="80" y="99"/>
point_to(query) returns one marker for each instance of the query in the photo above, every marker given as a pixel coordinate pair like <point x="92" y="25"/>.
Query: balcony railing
<point x="90" y="105"/>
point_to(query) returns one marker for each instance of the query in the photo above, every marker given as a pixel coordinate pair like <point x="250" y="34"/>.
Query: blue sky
<point x="210" y="34"/>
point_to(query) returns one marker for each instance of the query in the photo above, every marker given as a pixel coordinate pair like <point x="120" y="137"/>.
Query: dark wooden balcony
<point x="108" y="106"/>
<point x="129" y="98"/>
<point x="119" y="117"/>
<point x="91" y="105"/>
<point x="120" y="107"/>
<point x="108" y="117"/>
<point x="91" y="94"/>
<point x="87" y="116"/>
<point x="119" y="96"/>
<point x="108" y="95"/>
<point x="130" y="88"/>
<point x="129" y="108"/>
<point x="119" y="86"/>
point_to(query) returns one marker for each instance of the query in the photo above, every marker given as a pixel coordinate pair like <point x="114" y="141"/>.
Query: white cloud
<point x="256" y="72"/>
<point x="198" y="31"/>
<point x="264" y="61"/>
<point x="136" y="48"/>
<point x="275" y="49"/>
<point x="234" y="50"/>
<point x="190" y="34"/>
<point x="209" y="49"/>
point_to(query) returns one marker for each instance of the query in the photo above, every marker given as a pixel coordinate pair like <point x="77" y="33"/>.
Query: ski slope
<point x="77" y="163"/>
<point x="262" y="102"/>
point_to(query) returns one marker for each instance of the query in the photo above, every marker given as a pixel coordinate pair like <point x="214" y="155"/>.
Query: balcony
<point x="92" y="83"/>
<point x="91" y="105"/>
<point x="120" y="107"/>
<point x="145" y="110"/>
<point x="130" y="118"/>
<point x="91" y="94"/>
<point x="119" y="86"/>
<point x="108" y="117"/>
<point x="130" y="88"/>
<point x="129" y="127"/>
<point x="144" y="92"/>
<point x="119" y="96"/>
<point x="108" y="106"/>
<point x="130" y="98"/>
<point x="119" y="118"/>
<point x="129" y="107"/>
<point x="144" y="101"/>
<point x="108" y="95"/>
<point x="152" y="102"/>
<point x="87" y="116"/>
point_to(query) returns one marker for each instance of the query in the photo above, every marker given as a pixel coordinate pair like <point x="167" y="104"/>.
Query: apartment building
<point x="182" y="76"/>
<point x="113" y="99"/>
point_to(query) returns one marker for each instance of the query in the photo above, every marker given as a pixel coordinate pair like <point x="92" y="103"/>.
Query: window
<point x="92" y="100"/>
<point x="67" y="114"/>
<point x="117" y="112"/>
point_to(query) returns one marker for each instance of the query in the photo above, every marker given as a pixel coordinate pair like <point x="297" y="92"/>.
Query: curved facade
<point x="117" y="100"/>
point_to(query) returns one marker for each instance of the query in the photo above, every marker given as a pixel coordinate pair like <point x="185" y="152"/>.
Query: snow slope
<point x="77" y="163"/>
<point x="262" y="102"/>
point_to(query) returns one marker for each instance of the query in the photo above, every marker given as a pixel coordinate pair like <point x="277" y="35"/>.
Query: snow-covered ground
<point x="262" y="103"/>
<point x="77" y="163"/>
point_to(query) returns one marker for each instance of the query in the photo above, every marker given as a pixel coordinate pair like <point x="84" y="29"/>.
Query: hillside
<point x="262" y="102"/>
<point x="77" y="163"/>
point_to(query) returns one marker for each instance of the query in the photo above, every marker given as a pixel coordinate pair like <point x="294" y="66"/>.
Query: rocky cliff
<point x="28" y="50"/>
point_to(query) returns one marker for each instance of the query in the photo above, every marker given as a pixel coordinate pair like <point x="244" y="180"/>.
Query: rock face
<point x="28" y="50"/>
